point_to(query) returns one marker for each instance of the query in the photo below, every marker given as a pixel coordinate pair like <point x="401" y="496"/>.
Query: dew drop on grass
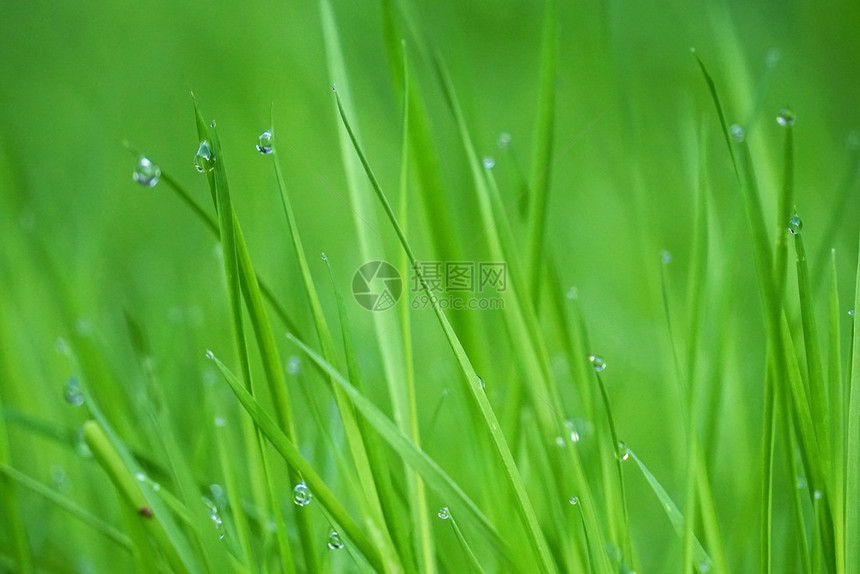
<point x="146" y="173"/>
<point x="504" y="140"/>
<point x="597" y="362"/>
<point x="212" y="124"/>
<point x="817" y="495"/>
<point x="800" y="483"/>
<point x="572" y="293"/>
<point x="850" y="312"/>
<point x="482" y="383"/>
<point x="204" y="160"/>
<point x="323" y="256"/>
<point x="74" y="395"/>
<point x="665" y="256"/>
<point x="559" y="441"/>
<point x="795" y="225"/>
<point x="220" y="422"/>
<point x="623" y="451"/>
<point x="574" y="500"/>
<point x="785" y="117"/>
<point x="59" y="477"/>
<point x="334" y="541"/>
<point x="302" y="494"/>
<point x="215" y="516"/>
<point x="209" y="354"/>
<point x="334" y="87"/>
<point x="294" y="365"/>
<point x="265" y="143"/>
<point x="489" y="163"/>
<point x="704" y="566"/>
<point x="737" y="133"/>
<point x="444" y="513"/>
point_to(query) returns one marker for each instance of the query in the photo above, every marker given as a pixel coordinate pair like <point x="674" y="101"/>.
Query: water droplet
<point x="84" y="327"/>
<point x="74" y="395"/>
<point x="704" y="566"/>
<point x="209" y="354"/>
<point x="334" y="87"/>
<point x="302" y="494"/>
<point x="574" y="500"/>
<point x="444" y="513"/>
<point x="294" y="365"/>
<point x="220" y="422"/>
<point x="772" y="57"/>
<point x="81" y="446"/>
<point x="324" y="257"/>
<point x="785" y="117"/>
<point x="146" y="173"/>
<point x="62" y="346"/>
<point x="572" y="293"/>
<point x="489" y="163"/>
<point x="504" y="140"/>
<point x="692" y="49"/>
<point x="215" y="516"/>
<point x="204" y="160"/>
<point x="212" y="124"/>
<point x="817" y="495"/>
<point x="482" y="383"/>
<point x="800" y="482"/>
<point x="665" y="256"/>
<point x="795" y="225"/>
<point x="597" y="362"/>
<point x="217" y="491"/>
<point x="59" y="477"/>
<point x="850" y="312"/>
<point x="334" y="541"/>
<point x="737" y="133"/>
<point x="623" y="451"/>
<point x="265" y="144"/>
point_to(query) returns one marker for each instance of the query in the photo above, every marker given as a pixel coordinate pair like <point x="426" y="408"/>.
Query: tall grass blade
<point x="523" y="505"/>
<point x="852" y="450"/>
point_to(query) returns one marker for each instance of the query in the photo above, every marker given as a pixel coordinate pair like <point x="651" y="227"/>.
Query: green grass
<point x="178" y="361"/>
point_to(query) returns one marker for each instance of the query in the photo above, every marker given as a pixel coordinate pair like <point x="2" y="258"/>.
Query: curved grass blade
<point x="702" y="560"/>
<point x="852" y="451"/>
<point x="838" y="418"/>
<point x="433" y="475"/>
<point x="288" y="450"/>
<point x="12" y="514"/>
<point x="523" y="505"/>
<point x="472" y="560"/>
<point x="68" y="505"/>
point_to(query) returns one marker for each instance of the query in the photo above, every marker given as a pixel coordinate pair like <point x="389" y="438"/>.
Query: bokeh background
<point x="81" y="243"/>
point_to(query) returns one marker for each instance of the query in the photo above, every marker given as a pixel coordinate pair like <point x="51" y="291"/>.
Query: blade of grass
<point x="523" y="505"/>
<point x="104" y="450"/>
<point x="838" y="418"/>
<point x="241" y="279"/>
<point x="420" y="510"/>
<point x="433" y="475"/>
<point x="358" y="442"/>
<point x="702" y="560"/>
<point x="472" y="560"/>
<point x="852" y="451"/>
<point x="68" y="505"/>
<point x="539" y="180"/>
<point x="290" y="453"/>
<point x="23" y="560"/>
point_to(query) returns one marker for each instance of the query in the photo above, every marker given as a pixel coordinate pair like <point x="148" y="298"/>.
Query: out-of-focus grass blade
<point x="852" y="451"/>
<point x="288" y="450"/>
<point x="241" y="279"/>
<point x="358" y="441"/>
<point x="539" y="181"/>
<point x="24" y="562"/>
<point x="837" y="416"/>
<point x="159" y="526"/>
<point x="473" y="562"/>
<point x="433" y="475"/>
<point x="68" y="505"/>
<point x="701" y="559"/>
<point x="523" y="505"/>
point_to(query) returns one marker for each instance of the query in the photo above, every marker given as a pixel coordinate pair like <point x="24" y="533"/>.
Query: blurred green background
<point x="81" y="243"/>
